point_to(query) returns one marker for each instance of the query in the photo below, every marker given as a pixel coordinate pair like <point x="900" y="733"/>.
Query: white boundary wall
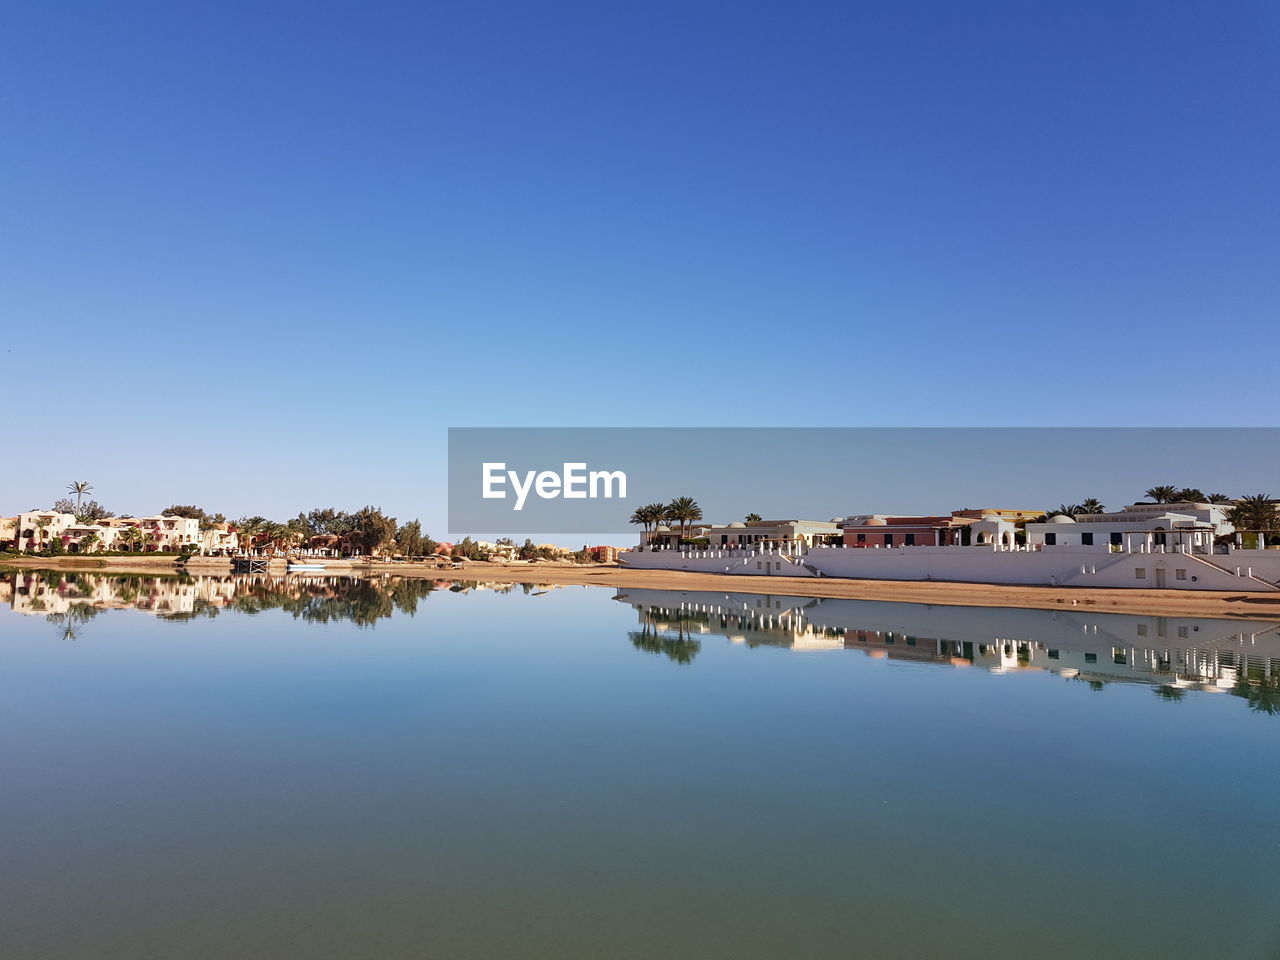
<point x="1251" y="570"/>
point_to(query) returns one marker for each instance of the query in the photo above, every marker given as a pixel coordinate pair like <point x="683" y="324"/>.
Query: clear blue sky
<point x="259" y="256"/>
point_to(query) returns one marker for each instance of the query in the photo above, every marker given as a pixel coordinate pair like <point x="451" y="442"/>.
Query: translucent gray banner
<point x="590" y="479"/>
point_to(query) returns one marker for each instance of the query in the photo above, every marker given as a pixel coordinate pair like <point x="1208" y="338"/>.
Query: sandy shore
<point x="1186" y="603"/>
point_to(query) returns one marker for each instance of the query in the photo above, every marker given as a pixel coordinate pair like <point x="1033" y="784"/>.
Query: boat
<point x="304" y="563"/>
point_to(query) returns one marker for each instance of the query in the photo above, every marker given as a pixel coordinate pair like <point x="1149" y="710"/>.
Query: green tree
<point x="189" y="511"/>
<point x="1163" y="494"/>
<point x="753" y="518"/>
<point x="92" y="512"/>
<point x="1190" y="495"/>
<point x="249" y="531"/>
<point x="1255" y="513"/>
<point x="1092" y="505"/>
<point x="650" y="515"/>
<point x="409" y="539"/>
<point x="373" y="530"/>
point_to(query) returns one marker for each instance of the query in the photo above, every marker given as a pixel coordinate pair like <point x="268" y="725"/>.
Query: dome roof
<point x="736" y="524"/>
<point x="877" y="522"/>
<point x="1062" y="518"/>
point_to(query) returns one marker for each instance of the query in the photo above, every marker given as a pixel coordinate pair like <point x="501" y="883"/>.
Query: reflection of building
<point x="1177" y="651"/>
<point x="314" y="598"/>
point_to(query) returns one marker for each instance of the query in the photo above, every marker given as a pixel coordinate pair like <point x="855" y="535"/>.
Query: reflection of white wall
<point x="1106" y="646"/>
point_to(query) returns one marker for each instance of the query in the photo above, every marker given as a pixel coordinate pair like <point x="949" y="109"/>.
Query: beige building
<point x="219" y="540"/>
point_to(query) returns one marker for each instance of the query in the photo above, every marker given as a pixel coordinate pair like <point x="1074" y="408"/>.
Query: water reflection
<point x="1176" y="654"/>
<point x="69" y="599"/>
<point x="1173" y="654"/>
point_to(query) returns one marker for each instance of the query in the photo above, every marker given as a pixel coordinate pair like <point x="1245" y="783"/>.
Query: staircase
<point x="1265" y="585"/>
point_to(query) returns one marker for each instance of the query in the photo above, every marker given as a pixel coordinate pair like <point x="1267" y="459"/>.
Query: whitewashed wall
<point x="1061" y="566"/>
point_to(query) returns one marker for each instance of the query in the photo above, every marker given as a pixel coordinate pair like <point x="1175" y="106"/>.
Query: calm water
<point x="326" y="768"/>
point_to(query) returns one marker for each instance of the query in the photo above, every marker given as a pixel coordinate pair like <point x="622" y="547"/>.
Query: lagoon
<point x="330" y="767"/>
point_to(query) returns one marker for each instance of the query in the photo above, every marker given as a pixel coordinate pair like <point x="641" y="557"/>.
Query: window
<point x="1050" y="539"/>
<point x="1179" y="574"/>
<point x="1142" y="629"/>
<point x="1090" y="658"/>
<point x="1053" y="654"/>
<point x="1119" y="656"/>
<point x="1086" y="539"/>
<point x="1117" y="537"/>
<point x="1182" y="633"/>
<point x="862" y="538"/>
<point x="1139" y="573"/>
<point x="759" y="564"/>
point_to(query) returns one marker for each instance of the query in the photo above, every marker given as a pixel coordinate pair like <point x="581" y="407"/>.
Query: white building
<point x="1191" y="525"/>
<point x="745" y="533"/>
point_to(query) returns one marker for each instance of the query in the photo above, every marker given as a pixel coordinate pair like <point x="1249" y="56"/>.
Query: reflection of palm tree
<point x="680" y="649"/>
<point x="1164" y="691"/>
<point x="1263" y="697"/>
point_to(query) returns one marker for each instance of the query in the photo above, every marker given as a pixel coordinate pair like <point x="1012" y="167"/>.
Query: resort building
<point x="1190" y="525"/>
<point x="36" y="529"/>
<point x="219" y="540"/>
<point x="961" y="528"/>
<point x="746" y="533"/>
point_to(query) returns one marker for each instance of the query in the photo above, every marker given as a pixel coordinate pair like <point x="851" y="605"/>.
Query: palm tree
<point x="651" y="515"/>
<point x="79" y="488"/>
<point x="1217" y="498"/>
<point x="753" y="518"/>
<point x="686" y="511"/>
<point x="1257" y="512"/>
<point x="1190" y="495"/>
<point x="1092" y="505"/>
<point x="1068" y="509"/>
<point x="249" y="529"/>
<point x="1163" y="494"/>
<point x="89" y="541"/>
